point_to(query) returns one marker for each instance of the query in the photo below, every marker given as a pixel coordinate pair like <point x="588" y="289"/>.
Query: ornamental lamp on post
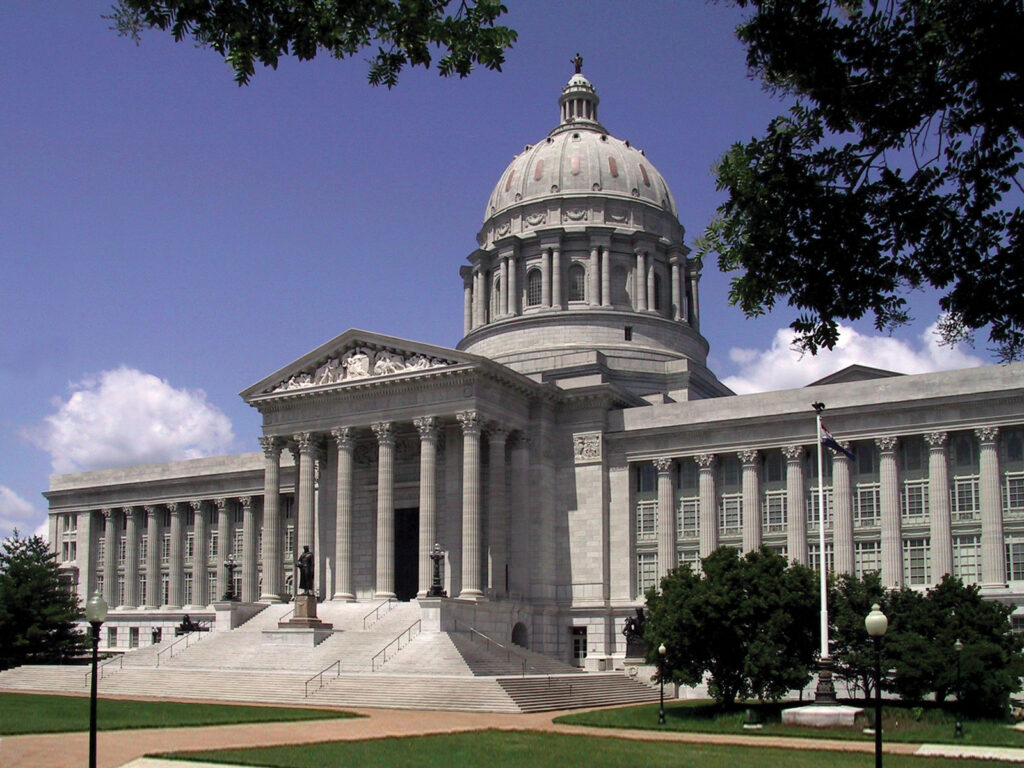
<point x="958" y="731"/>
<point x="876" y="624"/>
<point x="436" y="590"/>
<point x="95" y="614"/>
<point x="230" y="565"/>
<point x="662" y="650"/>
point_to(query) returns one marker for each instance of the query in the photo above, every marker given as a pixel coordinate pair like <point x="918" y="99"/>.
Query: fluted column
<point x="110" y="536"/>
<point x="478" y="298"/>
<point x="223" y="546"/>
<point x="467" y="304"/>
<point x="993" y="562"/>
<point x="694" y="299"/>
<point x="842" y="512"/>
<point x="796" y="509"/>
<point x="152" y="557"/>
<point x="200" y="556"/>
<point x="131" y="557"/>
<point x="308" y="449"/>
<point x="939" y="521"/>
<point x="176" y="569"/>
<point x="652" y="301"/>
<point x="606" y="277"/>
<point x="640" y="282"/>
<point x="677" y="293"/>
<point x="545" y="279"/>
<point x="503" y="297"/>
<point x="556" y="278"/>
<point x="272" y="560"/>
<point x="497" y="557"/>
<point x="344" y="438"/>
<point x="427" y="427"/>
<point x="594" y="277"/>
<point x="470" y="422"/>
<point x="385" y="509"/>
<point x="751" y="500"/>
<point x="707" y="488"/>
<point x="889" y="501"/>
<point x="668" y="555"/>
<point x="250" y="583"/>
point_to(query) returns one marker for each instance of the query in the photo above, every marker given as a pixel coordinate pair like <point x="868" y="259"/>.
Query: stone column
<point x="640" y="282"/>
<point x="308" y="450"/>
<point x="427" y="427"/>
<point x="272" y="560"/>
<point x="86" y="556"/>
<point x="467" y="304"/>
<point x="889" y="500"/>
<point x="606" y="277"/>
<point x="477" y="298"/>
<point x="695" y="301"/>
<point x="503" y="297"/>
<point x="993" y="562"/>
<point x="708" y="503"/>
<point x="938" y="506"/>
<point x="110" y="537"/>
<point x="556" y="278"/>
<point x="751" y="498"/>
<point x="177" y="561"/>
<point x="131" y="558"/>
<point x="385" y="509"/>
<point x="842" y="512"/>
<point x="513" y="289"/>
<point x="496" y="510"/>
<point x="250" y="581"/>
<point x="796" y="510"/>
<point x="652" y="303"/>
<point x="545" y="279"/>
<point x="223" y="546"/>
<point x="200" y="556"/>
<point x="677" y="293"/>
<point x="345" y="439"/>
<point x="152" y="557"/>
<point x="470" y="423"/>
<point x="594" y="277"/>
<point x="668" y="554"/>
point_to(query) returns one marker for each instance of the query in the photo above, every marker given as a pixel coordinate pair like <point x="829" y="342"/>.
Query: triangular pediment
<point x="855" y="372"/>
<point x="357" y="356"/>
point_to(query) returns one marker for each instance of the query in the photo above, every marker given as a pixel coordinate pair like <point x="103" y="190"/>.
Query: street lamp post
<point x="662" y="650"/>
<point x="230" y="565"/>
<point x="958" y="732"/>
<point x="876" y="624"/>
<point x="95" y="614"/>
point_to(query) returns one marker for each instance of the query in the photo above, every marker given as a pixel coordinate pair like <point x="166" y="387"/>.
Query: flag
<point x="830" y="442"/>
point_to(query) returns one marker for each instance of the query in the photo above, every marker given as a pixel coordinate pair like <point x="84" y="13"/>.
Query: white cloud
<point x="783" y="367"/>
<point x="16" y="512"/>
<point x="126" y="416"/>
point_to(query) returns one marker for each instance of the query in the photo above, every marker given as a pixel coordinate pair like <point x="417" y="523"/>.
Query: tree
<point x="749" y="622"/>
<point x="404" y="31"/>
<point x="37" y="610"/>
<point x="850" y="599"/>
<point x="898" y="166"/>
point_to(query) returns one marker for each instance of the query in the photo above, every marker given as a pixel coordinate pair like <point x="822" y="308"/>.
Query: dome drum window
<point x="577" y="282"/>
<point x="534" y="287"/>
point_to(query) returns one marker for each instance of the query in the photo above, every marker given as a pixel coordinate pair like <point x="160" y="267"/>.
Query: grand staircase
<point x="423" y="670"/>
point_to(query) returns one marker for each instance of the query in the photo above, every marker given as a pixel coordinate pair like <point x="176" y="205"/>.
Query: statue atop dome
<point x="577" y="61"/>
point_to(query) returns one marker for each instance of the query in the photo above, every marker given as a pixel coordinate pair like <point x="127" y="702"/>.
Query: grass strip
<point x="42" y="713"/>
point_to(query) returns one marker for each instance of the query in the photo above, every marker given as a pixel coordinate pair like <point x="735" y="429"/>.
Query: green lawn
<point x="908" y="724"/>
<point x="39" y="713"/>
<point x="519" y="749"/>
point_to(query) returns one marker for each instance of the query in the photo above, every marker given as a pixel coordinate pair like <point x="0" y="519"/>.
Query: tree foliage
<point x="405" y="32"/>
<point x="850" y="599"/>
<point x="899" y="166"/>
<point x="37" y="611"/>
<point x="748" y="622"/>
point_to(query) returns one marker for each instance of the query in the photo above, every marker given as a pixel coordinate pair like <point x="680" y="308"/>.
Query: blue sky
<point x="168" y="238"/>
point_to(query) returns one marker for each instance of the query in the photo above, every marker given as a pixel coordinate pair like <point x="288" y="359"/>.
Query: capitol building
<point x="570" y="449"/>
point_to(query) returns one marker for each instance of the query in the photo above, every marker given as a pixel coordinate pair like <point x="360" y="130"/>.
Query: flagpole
<point x="818" y="408"/>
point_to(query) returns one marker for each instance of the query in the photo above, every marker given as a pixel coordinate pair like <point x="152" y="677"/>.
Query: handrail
<point x="375" y="613"/>
<point x="99" y="667"/>
<point x="184" y="638"/>
<point x="320" y="674"/>
<point x="509" y="652"/>
<point x="417" y="625"/>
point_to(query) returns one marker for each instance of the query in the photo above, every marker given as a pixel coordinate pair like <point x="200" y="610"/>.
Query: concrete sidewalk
<point x="127" y="748"/>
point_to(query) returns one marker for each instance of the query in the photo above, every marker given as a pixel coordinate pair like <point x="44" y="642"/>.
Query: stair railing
<point x="490" y="643"/>
<point x="381" y="657"/>
<point x="119" y="660"/>
<point x="375" y="615"/>
<point x="319" y="677"/>
<point x="189" y="638"/>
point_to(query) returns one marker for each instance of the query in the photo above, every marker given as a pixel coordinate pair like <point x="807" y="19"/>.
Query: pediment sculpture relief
<point x="360" y="363"/>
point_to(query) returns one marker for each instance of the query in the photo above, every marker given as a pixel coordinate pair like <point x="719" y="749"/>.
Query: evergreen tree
<point x="37" y="610"/>
<point x="850" y="600"/>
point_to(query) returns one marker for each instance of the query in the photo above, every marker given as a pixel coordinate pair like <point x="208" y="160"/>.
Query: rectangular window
<point x="188" y="588"/>
<point x="111" y="637"/>
<point x="688" y="476"/>
<point x="1015" y="559"/>
<point x="646" y="520"/>
<point x="916" y="561"/>
<point x="774" y="468"/>
<point x="99" y="583"/>
<point x="211" y="585"/>
<point x="814" y="558"/>
<point x="688" y="518"/>
<point x="782" y="550"/>
<point x="238" y="514"/>
<point x="867" y="557"/>
<point x="646" y="571"/>
<point x="101" y="549"/>
<point x="867" y="463"/>
<point x="866" y="505"/>
<point x="691" y="556"/>
<point x="1013" y="493"/>
<point x="143" y="546"/>
<point x="213" y="544"/>
<point x="646" y="479"/>
<point x="142" y="591"/>
<point x="289" y="541"/>
<point x="774" y="513"/>
<point x="165" y="589"/>
<point x="122" y="549"/>
<point x="133" y="637"/>
<point x="967" y="558"/>
<point x="236" y="583"/>
<point x="236" y="545"/>
<point x="190" y="546"/>
<point x="165" y="548"/>
<point x="730" y="516"/>
<point x="965" y="497"/>
<point x="812" y="508"/>
<point x="914" y="501"/>
<point x="909" y="452"/>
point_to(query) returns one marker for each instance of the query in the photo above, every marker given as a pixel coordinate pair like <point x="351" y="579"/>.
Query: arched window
<point x="577" y="283"/>
<point x="658" y="300"/>
<point x="533" y="288"/>
<point x="496" y="299"/>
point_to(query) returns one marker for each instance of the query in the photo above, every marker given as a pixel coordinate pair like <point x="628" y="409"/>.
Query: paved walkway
<point x="126" y="748"/>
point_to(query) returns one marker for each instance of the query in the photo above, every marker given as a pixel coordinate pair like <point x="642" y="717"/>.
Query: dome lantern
<point x="578" y="102"/>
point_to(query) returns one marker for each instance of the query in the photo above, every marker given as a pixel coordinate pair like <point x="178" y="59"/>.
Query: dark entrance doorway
<point x="407" y="539"/>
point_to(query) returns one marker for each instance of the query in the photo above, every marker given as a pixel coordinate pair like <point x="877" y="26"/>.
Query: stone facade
<point x="566" y="453"/>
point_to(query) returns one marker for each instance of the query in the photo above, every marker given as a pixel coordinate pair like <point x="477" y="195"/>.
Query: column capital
<point x="197" y="506"/>
<point x="748" y="458"/>
<point x="108" y="513"/>
<point x="221" y="504"/>
<point x="887" y="443"/>
<point x="344" y="437"/>
<point x="307" y="443"/>
<point x="663" y="464"/>
<point x="936" y="440"/>
<point x="128" y="511"/>
<point x="793" y="452"/>
<point x="384" y="430"/>
<point x="151" y="510"/>
<point x="839" y="455"/>
<point x="497" y="432"/>
<point x="987" y="434"/>
<point x="427" y="427"/>
<point x="271" y="446"/>
<point x="174" y="508"/>
<point x="470" y="422"/>
<point x="706" y="461"/>
<point x="246" y="502"/>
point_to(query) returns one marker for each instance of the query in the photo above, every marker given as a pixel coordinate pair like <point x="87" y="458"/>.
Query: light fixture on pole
<point x="958" y="732"/>
<point x="876" y="624"/>
<point x="825" y="693"/>
<point x="95" y="614"/>
<point x="662" y="650"/>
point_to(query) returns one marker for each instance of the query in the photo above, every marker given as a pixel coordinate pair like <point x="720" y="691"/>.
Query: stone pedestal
<point x="305" y="615"/>
<point x="303" y="629"/>
<point x="817" y="716"/>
